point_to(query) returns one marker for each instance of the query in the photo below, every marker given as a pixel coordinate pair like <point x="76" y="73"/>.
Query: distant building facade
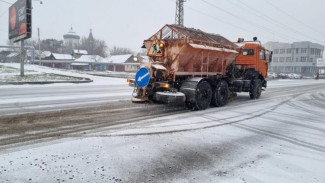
<point x="57" y="60"/>
<point x="298" y="57"/>
<point x="77" y="53"/>
<point x="132" y="64"/>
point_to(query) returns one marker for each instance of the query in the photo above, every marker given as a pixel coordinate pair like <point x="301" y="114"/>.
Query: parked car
<point x="272" y="75"/>
<point x="294" y="76"/>
<point x="299" y="76"/>
<point x="283" y="76"/>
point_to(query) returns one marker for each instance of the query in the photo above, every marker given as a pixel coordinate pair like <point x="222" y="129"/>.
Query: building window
<point x="288" y="59"/>
<point x="318" y="52"/>
<point x="282" y="51"/>
<point x="312" y="51"/>
<point x="311" y="59"/>
<point x="275" y="59"/>
<point x="304" y="50"/>
<point x="303" y="59"/>
<point x="281" y="59"/>
<point x="289" y="51"/>
<point x="297" y="59"/>
<point x="297" y="50"/>
<point x="276" y="51"/>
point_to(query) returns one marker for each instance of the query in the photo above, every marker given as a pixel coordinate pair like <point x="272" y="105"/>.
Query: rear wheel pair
<point x="220" y="94"/>
<point x="205" y="95"/>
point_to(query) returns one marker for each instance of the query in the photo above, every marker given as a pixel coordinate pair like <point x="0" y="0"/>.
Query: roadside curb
<point x="114" y="75"/>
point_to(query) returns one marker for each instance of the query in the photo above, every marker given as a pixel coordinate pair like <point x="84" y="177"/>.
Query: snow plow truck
<point x="198" y="68"/>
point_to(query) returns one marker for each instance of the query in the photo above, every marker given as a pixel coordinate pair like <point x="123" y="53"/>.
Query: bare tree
<point x="54" y="46"/>
<point x="94" y="47"/>
<point x="120" y="51"/>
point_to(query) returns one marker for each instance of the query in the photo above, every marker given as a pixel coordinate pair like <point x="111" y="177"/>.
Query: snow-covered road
<point x="278" y="138"/>
<point x="24" y="99"/>
<point x="48" y="98"/>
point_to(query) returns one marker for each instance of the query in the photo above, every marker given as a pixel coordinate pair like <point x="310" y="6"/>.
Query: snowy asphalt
<point x="278" y="138"/>
<point x="25" y="100"/>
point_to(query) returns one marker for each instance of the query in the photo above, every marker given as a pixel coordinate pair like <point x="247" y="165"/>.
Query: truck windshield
<point x="248" y="52"/>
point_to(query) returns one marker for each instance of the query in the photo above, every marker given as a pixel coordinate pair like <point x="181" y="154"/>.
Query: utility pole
<point x="179" y="18"/>
<point x="22" y="58"/>
<point x="39" y="47"/>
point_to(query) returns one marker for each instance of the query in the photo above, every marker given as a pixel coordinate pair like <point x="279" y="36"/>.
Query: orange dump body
<point x="194" y="52"/>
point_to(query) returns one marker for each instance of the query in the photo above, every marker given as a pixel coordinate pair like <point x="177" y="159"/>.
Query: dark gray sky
<point x="126" y="23"/>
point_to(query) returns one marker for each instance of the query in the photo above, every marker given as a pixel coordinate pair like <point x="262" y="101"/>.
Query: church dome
<point x="71" y="35"/>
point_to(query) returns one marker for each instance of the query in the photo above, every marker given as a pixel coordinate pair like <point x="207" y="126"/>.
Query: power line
<point x="294" y="18"/>
<point x="256" y="25"/>
<point x="221" y="20"/>
<point x="247" y="21"/>
<point x="271" y="20"/>
<point x="224" y="21"/>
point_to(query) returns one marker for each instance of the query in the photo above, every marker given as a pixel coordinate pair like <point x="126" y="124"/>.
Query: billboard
<point x="320" y="62"/>
<point x="20" y="20"/>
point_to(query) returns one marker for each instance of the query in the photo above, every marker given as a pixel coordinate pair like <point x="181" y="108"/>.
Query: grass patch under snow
<point x="8" y="76"/>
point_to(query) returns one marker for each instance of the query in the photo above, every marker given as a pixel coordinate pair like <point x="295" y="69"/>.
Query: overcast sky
<point x="126" y="23"/>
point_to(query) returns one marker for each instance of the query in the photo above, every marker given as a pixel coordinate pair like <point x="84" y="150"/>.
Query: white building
<point x="71" y="39"/>
<point x="298" y="57"/>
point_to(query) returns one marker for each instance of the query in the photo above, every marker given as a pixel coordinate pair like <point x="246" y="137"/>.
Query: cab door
<point x="262" y="63"/>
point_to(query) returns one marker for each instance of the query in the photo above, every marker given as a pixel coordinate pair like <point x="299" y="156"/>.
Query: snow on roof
<point x="46" y="54"/>
<point x="119" y="59"/>
<point x="84" y="52"/>
<point x="12" y="55"/>
<point x="90" y="58"/>
<point x="58" y="56"/>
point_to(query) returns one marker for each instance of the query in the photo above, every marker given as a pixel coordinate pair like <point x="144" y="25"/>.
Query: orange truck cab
<point x="254" y="55"/>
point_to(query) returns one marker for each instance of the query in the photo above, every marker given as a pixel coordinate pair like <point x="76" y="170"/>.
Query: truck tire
<point x="203" y="95"/>
<point x="220" y="94"/>
<point x="256" y="89"/>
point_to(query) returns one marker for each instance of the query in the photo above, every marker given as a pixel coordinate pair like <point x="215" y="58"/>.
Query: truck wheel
<point x="220" y="94"/>
<point x="256" y="89"/>
<point x="203" y="95"/>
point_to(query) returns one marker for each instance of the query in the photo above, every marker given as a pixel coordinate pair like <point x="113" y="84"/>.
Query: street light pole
<point x="22" y="58"/>
<point x="39" y="47"/>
